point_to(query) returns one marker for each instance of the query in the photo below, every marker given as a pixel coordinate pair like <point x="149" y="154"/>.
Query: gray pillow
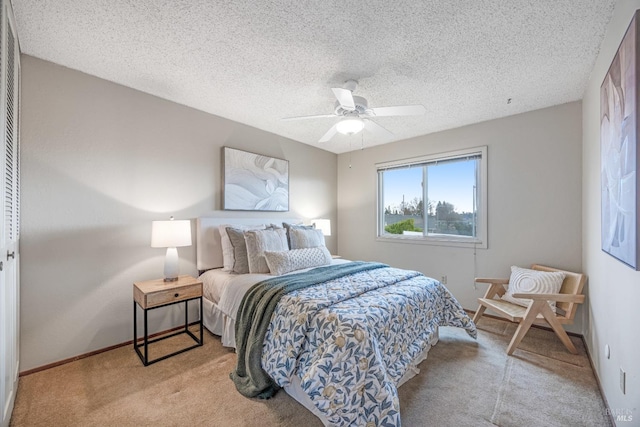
<point x="287" y="226"/>
<point x="240" y="262"/>
<point x="227" y="247"/>
<point x="259" y="241"/>
<point x="301" y="238"/>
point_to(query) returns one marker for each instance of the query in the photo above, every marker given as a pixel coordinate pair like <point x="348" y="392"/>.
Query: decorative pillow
<point x="524" y="280"/>
<point x="296" y="259"/>
<point x="240" y="263"/>
<point x="259" y="241"/>
<point x="304" y="238"/>
<point x="289" y="227"/>
<point x="227" y="248"/>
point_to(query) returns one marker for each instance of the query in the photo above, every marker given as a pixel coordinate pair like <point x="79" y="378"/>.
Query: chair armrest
<point x="496" y="287"/>
<point x="552" y="297"/>
<point x="488" y="280"/>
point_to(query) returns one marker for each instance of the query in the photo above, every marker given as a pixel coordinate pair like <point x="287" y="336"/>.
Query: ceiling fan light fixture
<point x="350" y="126"/>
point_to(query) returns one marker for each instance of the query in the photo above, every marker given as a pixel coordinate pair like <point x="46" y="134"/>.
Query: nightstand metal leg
<point x="186" y="316"/>
<point x="146" y="340"/>
<point x="136" y="345"/>
<point x="201" y="314"/>
<point x="135" y="327"/>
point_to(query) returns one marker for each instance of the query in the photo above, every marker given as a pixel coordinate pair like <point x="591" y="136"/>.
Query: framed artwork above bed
<point x="253" y="182"/>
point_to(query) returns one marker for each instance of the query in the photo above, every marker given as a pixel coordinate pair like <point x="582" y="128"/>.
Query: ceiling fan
<point x="355" y="114"/>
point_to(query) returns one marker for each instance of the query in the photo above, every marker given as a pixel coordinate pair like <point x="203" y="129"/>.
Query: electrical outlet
<point x="623" y="376"/>
<point x="443" y="280"/>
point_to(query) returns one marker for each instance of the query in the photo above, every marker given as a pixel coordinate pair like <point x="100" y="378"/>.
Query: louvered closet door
<point x="10" y="201"/>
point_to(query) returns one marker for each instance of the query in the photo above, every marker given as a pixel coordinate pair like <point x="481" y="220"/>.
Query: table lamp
<point x="171" y="235"/>
<point x="324" y="225"/>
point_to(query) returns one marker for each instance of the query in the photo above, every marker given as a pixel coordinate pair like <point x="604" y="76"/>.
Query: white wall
<point x="534" y="200"/>
<point x="101" y="161"/>
<point x="614" y="288"/>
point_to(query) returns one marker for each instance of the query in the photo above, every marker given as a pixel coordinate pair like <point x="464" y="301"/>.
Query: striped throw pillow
<point x="524" y="280"/>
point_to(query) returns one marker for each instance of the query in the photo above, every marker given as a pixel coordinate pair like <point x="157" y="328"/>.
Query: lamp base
<point x="171" y="265"/>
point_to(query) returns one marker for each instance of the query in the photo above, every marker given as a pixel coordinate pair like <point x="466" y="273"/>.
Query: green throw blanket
<point x="254" y="315"/>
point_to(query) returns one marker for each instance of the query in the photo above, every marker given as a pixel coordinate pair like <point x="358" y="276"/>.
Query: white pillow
<point x="228" y="260"/>
<point x="259" y="241"/>
<point x="296" y="259"/>
<point x="524" y="280"/>
<point x="300" y="238"/>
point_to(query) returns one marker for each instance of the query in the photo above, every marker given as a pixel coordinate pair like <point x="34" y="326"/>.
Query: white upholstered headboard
<point x="208" y="248"/>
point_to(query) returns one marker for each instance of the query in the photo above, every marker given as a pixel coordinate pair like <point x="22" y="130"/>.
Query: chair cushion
<point x="524" y="280"/>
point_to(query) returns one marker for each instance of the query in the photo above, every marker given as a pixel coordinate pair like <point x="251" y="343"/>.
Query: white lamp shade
<point x="170" y="234"/>
<point x="324" y="225"/>
<point x="349" y="126"/>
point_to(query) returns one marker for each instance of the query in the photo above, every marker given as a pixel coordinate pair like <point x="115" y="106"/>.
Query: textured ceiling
<point x="256" y="62"/>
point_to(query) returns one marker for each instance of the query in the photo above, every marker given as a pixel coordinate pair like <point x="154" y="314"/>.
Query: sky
<point x="451" y="182"/>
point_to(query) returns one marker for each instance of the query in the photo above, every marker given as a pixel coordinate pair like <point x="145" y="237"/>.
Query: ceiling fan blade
<point x="377" y="130"/>
<point x="400" y="110"/>
<point x="329" y="134"/>
<point x="318" y="116"/>
<point x="345" y="98"/>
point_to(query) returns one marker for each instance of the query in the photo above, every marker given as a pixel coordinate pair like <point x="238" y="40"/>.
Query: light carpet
<point x="463" y="382"/>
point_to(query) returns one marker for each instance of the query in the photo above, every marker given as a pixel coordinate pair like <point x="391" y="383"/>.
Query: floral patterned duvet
<point x="350" y="340"/>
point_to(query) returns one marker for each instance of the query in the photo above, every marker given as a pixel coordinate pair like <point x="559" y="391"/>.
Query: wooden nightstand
<point x="153" y="294"/>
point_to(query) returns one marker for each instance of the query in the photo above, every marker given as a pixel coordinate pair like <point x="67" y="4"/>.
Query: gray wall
<point x="534" y="200"/>
<point x="614" y="288"/>
<point x="101" y="161"/>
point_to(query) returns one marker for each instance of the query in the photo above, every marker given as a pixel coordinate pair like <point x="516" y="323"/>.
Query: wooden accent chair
<point x="538" y="311"/>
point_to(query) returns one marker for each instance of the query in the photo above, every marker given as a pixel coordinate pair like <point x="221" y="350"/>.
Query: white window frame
<point x="480" y="241"/>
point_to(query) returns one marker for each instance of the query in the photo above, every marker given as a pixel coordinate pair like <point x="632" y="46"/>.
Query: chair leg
<point x="479" y="313"/>
<point x="550" y="317"/>
<point x="525" y="324"/>
<point x="530" y="316"/>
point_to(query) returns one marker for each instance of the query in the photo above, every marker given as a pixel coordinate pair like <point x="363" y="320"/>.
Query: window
<point x="439" y="199"/>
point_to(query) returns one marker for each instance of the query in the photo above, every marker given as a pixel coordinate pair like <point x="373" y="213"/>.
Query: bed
<point x="340" y="344"/>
